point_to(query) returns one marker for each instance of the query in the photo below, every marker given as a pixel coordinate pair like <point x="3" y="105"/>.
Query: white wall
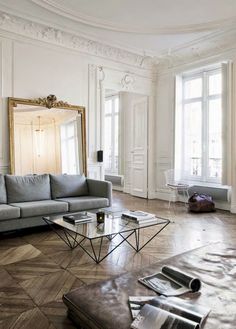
<point x="165" y="112"/>
<point x="31" y="68"/>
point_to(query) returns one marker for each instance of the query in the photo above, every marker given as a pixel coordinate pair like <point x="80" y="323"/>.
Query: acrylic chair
<point x="175" y="185"/>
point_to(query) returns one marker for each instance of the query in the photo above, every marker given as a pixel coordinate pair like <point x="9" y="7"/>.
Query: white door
<point x="139" y="147"/>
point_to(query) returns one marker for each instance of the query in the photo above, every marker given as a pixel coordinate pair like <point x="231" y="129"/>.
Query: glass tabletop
<point x="111" y="226"/>
<point x="114" y="211"/>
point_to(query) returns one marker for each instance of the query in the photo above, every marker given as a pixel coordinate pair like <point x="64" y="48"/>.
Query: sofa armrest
<point x="100" y="188"/>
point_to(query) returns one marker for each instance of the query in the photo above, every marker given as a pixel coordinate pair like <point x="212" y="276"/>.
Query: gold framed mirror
<point x="46" y="136"/>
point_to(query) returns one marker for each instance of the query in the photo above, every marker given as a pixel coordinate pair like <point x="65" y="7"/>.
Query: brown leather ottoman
<point x="104" y="305"/>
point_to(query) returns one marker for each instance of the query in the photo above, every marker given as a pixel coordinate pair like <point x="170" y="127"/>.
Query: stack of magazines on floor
<point x="139" y="216"/>
<point x="165" y="312"/>
<point x="77" y="218"/>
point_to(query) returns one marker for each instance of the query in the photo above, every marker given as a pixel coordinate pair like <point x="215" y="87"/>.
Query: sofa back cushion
<point x="27" y="188"/>
<point x="3" y="193"/>
<point x="63" y="186"/>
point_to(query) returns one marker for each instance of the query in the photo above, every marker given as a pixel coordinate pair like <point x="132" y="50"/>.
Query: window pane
<point x="63" y="132"/>
<point x="116" y="100"/>
<point x="68" y="148"/>
<point x="215" y="84"/>
<point x="193" y="139"/>
<point x="108" y="106"/>
<point x="116" y="148"/>
<point x="70" y="130"/>
<point x="71" y="157"/>
<point x="193" y="88"/>
<point x="108" y="143"/>
<point x="64" y="158"/>
<point x="215" y="139"/>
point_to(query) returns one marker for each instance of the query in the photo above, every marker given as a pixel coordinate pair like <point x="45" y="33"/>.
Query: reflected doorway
<point x="125" y="141"/>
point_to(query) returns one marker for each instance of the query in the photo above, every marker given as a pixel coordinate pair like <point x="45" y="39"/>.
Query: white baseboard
<point x="118" y="188"/>
<point x="152" y="195"/>
<point x="165" y="195"/>
<point x="127" y="189"/>
<point x="233" y="209"/>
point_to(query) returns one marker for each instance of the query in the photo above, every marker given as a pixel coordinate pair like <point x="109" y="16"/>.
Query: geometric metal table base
<point x="73" y="239"/>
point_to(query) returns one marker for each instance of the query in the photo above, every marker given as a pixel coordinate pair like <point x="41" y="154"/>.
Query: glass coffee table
<point x="75" y="235"/>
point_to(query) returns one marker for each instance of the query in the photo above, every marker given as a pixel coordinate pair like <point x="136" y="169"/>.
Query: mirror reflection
<point x="46" y="140"/>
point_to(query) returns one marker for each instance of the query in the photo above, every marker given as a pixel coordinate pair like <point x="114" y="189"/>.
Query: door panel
<point x="139" y="149"/>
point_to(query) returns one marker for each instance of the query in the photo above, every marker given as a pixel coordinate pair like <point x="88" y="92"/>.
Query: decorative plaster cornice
<point x="212" y="45"/>
<point x="27" y="28"/>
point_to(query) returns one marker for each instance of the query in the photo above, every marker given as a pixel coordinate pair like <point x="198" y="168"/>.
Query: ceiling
<point x="151" y="27"/>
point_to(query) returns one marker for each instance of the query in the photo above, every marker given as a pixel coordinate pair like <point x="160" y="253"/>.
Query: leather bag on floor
<point x="201" y="203"/>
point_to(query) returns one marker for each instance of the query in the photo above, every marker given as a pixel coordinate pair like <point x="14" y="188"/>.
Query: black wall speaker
<point x="100" y="156"/>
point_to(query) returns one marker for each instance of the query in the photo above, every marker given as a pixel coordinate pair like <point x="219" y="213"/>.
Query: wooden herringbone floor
<point x="37" y="268"/>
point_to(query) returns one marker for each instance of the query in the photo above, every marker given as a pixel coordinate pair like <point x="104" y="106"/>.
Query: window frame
<point x="205" y="99"/>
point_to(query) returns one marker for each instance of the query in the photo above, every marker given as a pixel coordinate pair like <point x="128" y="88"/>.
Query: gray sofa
<point x="25" y="199"/>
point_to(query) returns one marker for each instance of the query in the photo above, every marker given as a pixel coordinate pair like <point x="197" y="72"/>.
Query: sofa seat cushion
<point x="9" y="212"/>
<point x="38" y="208"/>
<point x="63" y="186"/>
<point x="3" y="193"/>
<point x="27" y="188"/>
<point x="85" y="202"/>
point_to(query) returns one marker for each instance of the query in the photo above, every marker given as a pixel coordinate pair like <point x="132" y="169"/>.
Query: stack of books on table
<point x="139" y="216"/>
<point x="78" y="218"/>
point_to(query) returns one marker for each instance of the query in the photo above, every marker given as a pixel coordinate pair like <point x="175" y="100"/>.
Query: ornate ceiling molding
<point x="27" y="28"/>
<point x="65" y="12"/>
<point x="203" y="48"/>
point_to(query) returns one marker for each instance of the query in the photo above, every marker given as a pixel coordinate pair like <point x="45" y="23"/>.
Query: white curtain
<point x="227" y="82"/>
<point x="178" y="128"/>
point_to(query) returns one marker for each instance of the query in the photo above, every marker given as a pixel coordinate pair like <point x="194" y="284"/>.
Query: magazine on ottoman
<point x="171" y="282"/>
<point x="169" y="313"/>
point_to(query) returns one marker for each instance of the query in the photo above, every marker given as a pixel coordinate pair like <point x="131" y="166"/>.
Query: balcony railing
<point x="214" y="167"/>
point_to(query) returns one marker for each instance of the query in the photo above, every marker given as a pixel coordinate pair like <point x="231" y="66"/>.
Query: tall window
<point x="111" y="148"/>
<point x="201" y="127"/>
<point x="69" y="152"/>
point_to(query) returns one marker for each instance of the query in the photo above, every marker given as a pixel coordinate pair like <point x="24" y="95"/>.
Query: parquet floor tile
<point x="12" y="241"/>
<point x="32" y="268"/>
<point x="65" y="258"/>
<point x="38" y="238"/>
<point x="34" y="319"/>
<point x="131" y="260"/>
<point x="17" y="254"/>
<point x="14" y="300"/>
<point x="56" y="312"/>
<point x="50" y="287"/>
<point x="93" y="272"/>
